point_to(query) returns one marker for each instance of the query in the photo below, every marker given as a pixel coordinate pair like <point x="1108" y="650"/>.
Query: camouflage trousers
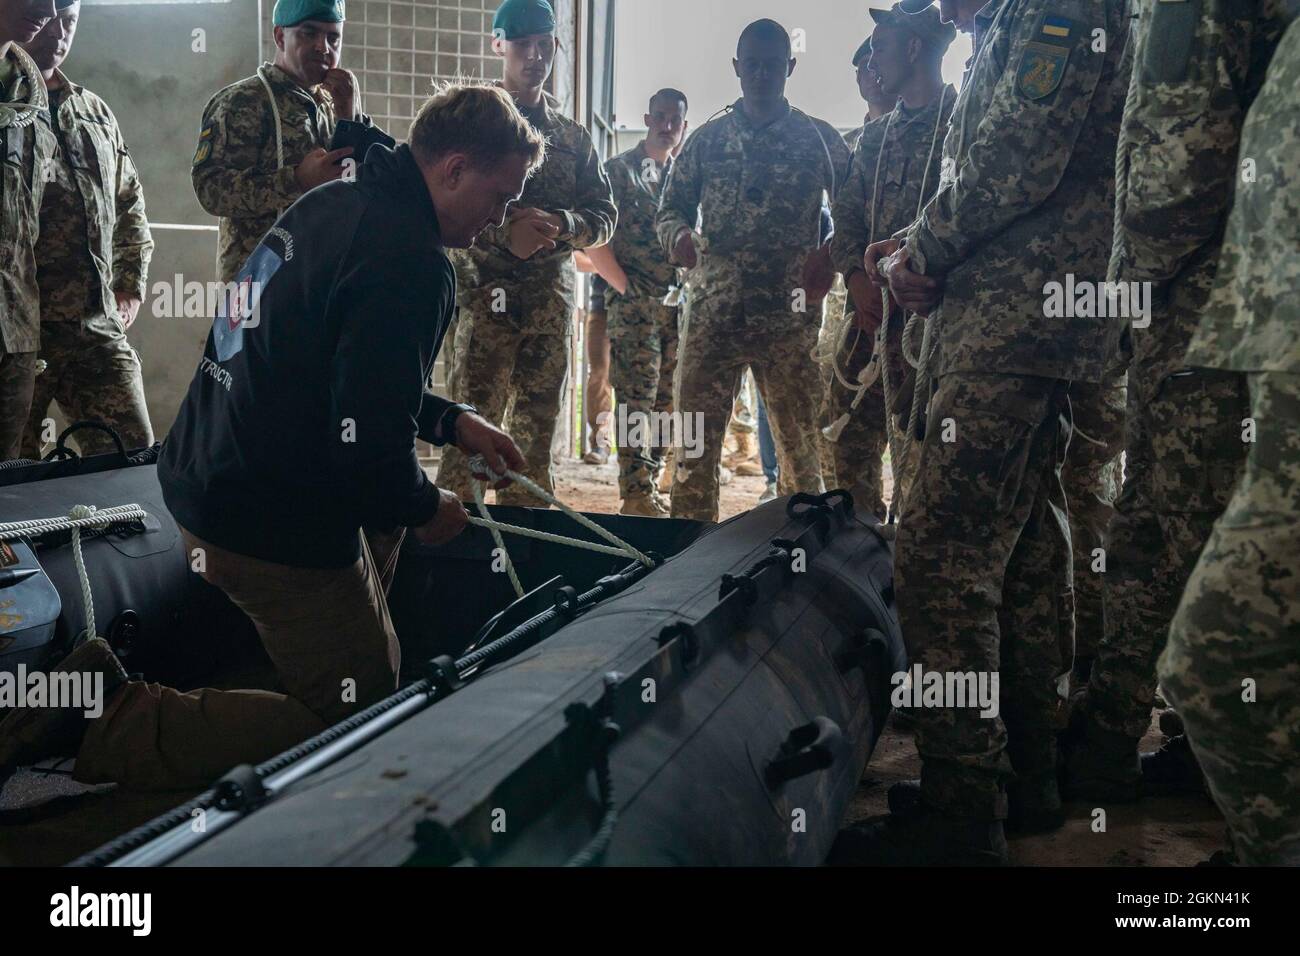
<point x="1091" y="477"/>
<point x="94" y="374"/>
<point x="17" y="382"/>
<point x="515" y="379"/>
<point x="643" y="357"/>
<point x="1232" y="664"/>
<point x="983" y="576"/>
<point x="712" y="358"/>
<point x="1184" y="454"/>
<point x="856" y="460"/>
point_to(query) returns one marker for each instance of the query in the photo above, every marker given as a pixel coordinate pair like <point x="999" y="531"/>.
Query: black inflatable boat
<point x="717" y="709"/>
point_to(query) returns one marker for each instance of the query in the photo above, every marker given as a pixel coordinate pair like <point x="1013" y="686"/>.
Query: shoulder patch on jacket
<point x="1042" y="65"/>
<point x="204" y="151"/>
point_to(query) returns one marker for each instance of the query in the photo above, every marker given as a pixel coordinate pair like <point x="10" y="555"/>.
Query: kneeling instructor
<point x="292" y="466"/>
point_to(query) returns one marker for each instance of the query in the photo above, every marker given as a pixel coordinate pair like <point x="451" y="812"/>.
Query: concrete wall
<point x="156" y="74"/>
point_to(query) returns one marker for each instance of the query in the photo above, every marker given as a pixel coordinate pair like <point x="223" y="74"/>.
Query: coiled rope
<point x="877" y="366"/>
<point x="81" y="516"/>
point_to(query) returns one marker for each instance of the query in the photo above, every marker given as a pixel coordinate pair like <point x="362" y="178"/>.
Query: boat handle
<point x="807" y="749"/>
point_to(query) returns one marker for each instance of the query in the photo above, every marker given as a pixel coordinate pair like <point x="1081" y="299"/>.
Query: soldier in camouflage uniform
<point x="1185" y="450"/>
<point x="757" y="176"/>
<point x="642" y="329"/>
<point x="248" y="168"/>
<point x="26" y="146"/>
<point x="1232" y="664"/>
<point x="895" y="171"/>
<point x="93" y="257"/>
<point x="516" y="285"/>
<point x="837" y="300"/>
<point x="1091" y="478"/>
<point x="983" y="551"/>
<point x="879" y="103"/>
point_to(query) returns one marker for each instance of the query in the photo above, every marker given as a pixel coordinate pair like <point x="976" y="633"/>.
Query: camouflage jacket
<point x="1252" y="323"/>
<point x="757" y="192"/>
<point x="236" y="174"/>
<point x="637" y="181"/>
<point x="896" y="146"/>
<point x="94" y="235"/>
<point x="571" y="183"/>
<point x="25" y="153"/>
<point x="1194" y="78"/>
<point x="854" y="136"/>
<point x="1027" y="195"/>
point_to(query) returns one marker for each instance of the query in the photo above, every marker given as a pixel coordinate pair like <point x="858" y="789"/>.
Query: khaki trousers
<point x="330" y="637"/>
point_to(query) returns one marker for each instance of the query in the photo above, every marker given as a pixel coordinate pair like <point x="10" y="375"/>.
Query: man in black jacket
<point x="297" y="433"/>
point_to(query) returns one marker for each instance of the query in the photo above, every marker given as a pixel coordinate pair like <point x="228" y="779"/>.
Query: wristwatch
<point x="447" y="424"/>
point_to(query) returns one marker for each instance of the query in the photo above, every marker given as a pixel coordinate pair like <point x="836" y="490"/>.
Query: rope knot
<point x="82" y="511"/>
<point x="478" y="465"/>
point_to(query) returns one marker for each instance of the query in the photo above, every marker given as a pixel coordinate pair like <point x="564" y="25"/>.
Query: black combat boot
<point x="1172" y="770"/>
<point x="921" y="837"/>
<point x="1033" y="802"/>
<point x="30" y="734"/>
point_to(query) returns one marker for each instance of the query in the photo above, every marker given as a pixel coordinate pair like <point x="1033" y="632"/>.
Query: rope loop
<point x="79" y="517"/>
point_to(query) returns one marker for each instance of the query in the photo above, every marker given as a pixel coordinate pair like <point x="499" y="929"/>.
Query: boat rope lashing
<point x="617" y="545"/>
<point x="81" y="516"/>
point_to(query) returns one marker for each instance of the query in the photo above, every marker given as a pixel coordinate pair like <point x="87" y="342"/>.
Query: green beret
<point x="864" y="51"/>
<point x="523" y="18"/>
<point x="289" y="12"/>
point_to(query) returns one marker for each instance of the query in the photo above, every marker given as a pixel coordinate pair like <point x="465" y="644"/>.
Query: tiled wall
<point x="398" y="47"/>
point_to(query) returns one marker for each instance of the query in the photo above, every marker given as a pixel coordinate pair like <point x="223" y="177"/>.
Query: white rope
<point x="492" y="524"/>
<point x="496" y="537"/>
<point x="94" y="519"/>
<point x="875" y="366"/>
<point x="621" y="547"/>
<point x="87" y="598"/>
<point x="275" y="120"/>
<point x="81" y="516"/>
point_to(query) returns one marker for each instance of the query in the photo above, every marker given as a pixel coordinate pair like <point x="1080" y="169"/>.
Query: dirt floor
<point x="1173" y="831"/>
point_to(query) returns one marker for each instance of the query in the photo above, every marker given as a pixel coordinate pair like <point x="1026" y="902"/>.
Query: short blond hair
<point x="478" y="120"/>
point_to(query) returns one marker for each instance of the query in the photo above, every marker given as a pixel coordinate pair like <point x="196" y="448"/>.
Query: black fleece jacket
<point x="299" y="426"/>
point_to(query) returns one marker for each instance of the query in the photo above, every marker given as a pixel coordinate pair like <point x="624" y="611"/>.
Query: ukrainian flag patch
<point x="1058" y="27"/>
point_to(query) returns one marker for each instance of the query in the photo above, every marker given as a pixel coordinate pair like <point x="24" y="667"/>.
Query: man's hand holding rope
<point x="475" y="435"/>
<point x="913" y="291"/>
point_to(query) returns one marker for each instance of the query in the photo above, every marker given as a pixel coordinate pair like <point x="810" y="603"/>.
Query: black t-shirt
<point x="299" y="427"/>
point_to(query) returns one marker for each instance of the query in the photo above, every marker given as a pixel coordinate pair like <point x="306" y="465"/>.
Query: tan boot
<point x="644" y="506"/>
<point x="744" y="460"/>
<point x="29" y="734"/>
